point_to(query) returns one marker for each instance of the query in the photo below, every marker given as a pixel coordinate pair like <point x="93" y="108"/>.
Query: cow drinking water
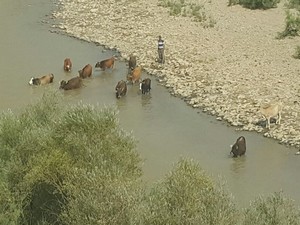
<point x="239" y="147"/>
<point x="106" y="64"/>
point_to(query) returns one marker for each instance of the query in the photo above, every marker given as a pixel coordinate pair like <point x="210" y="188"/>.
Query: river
<point x="165" y="128"/>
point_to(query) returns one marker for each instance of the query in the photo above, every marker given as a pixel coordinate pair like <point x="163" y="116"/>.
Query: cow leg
<point x="278" y="119"/>
<point x="268" y="123"/>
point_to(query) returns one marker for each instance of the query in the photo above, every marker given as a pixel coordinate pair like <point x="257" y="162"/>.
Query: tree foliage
<point x="255" y="4"/>
<point x="73" y="164"/>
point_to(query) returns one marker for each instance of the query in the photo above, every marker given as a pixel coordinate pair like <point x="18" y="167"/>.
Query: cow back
<point x="86" y="71"/>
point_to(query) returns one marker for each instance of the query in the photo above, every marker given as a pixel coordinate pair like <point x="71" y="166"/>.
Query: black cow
<point x="239" y="147"/>
<point x="145" y="86"/>
<point x="121" y="89"/>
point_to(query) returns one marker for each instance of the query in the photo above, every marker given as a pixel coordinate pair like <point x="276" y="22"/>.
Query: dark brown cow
<point x="73" y="83"/>
<point x="67" y="65"/>
<point x="86" y="71"/>
<point x="135" y="75"/>
<point x="106" y="64"/>
<point x="131" y="63"/>
<point x="145" y="86"/>
<point x="239" y="147"/>
<point x="47" y="79"/>
<point x="121" y="89"/>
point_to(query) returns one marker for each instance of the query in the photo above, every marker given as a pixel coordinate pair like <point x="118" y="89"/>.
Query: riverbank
<point x="228" y="70"/>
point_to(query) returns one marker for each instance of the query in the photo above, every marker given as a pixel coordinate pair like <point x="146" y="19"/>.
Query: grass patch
<point x="192" y="9"/>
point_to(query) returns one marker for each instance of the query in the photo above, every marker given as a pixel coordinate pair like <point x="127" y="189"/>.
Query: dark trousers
<point x="161" y="57"/>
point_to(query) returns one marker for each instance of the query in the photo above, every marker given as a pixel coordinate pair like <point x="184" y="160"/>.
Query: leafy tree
<point x="274" y="209"/>
<point x="57" y="156"/>
<point x="255" y="4"/>
<point x="188" y="196"/>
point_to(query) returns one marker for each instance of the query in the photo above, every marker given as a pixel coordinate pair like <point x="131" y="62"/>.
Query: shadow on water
<point x="164" y="126"/>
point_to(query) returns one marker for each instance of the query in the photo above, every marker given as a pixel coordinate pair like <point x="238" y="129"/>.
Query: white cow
<point x="271" y="111"/>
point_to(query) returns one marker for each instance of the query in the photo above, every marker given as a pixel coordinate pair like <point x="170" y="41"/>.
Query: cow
<point x="135" y="75"/>
<point x="47" y="79"/>
<point x="271" y="111"/>
<point x="121" y="89"/>
<point x="239" y="147"/>
<point x="67" y="65"/>
<point x="106" y="64"/>
<point x="131" y="63"/>
<point x="75" y="82"/>
<point x="86" y="71"/>
<point x="145" y="86"/>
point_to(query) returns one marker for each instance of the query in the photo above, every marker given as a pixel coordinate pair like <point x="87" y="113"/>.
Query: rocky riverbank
<point x="227" y="70"/>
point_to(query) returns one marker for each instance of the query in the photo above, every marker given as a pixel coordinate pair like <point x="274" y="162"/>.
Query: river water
<point x="165" y="128"/>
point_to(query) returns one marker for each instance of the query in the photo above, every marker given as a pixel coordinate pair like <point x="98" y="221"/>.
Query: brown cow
<point x="145" y="85"/>
<point x="131" y="63"/>
<point x="86" y="71"/>
<point x="75" y="82"/>
<point x="135" y="75"/>
<point x="67" y="65"/>
<point x="106" y="64"/>
<point x="121" y="89"/>
<point x="47" y="79"/>
<point x="239" y="147"/>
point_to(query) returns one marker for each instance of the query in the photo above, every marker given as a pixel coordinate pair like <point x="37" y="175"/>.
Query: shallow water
<point x="164" y="126"/>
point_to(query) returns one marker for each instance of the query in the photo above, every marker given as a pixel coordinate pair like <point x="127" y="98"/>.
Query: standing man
<point x="161" y="49"/>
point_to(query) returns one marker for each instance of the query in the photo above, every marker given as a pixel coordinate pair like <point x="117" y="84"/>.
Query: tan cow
<point x="271" y="111"/>
<point x="47" y="79"/>
<point x="106" y="64"/>
<point x="135" y="75"/>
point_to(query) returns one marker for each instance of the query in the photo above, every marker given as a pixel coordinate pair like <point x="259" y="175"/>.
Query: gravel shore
<point x="228" y="70"/>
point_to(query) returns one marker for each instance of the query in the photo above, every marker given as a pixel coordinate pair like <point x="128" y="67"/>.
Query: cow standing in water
<point x="131" y="63"/>
<point x="121" y="89"/>
<point x="106" y="64"/>
<point x="86" y="71"/>
<point x="47" y="79"/>
<point x="135" y="75"/>
<point x="73" y="83"/>
<point x="239" y="147"/>
<point x="67" y="65"/>
<point x="145" y="86"/>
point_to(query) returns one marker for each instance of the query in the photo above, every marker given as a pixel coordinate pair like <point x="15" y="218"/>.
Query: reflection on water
<point x="146" y="101"/>
<point x="238" y="165"/>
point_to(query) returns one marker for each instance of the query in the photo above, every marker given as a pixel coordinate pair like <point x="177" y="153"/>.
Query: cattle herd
<point x="133" y="76"/>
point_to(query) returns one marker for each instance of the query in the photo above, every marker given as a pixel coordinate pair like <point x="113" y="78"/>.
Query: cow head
<point x="34" y="81"/>
<point x="62" y="84"/>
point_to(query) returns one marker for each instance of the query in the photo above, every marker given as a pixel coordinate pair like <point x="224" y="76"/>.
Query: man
<point x="161" y="48"/>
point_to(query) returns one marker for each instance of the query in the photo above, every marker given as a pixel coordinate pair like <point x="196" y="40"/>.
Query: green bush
<point x="292" y="25"/>
<point x="297" y="53"/>
<point x="187" y="196"/>
<point x="64" y="165"/>
<point x="188" y="8"/>
<point x="256" y="4"/>
<point x="275" y="209"/>
<point x="293" y="4"/>
<point x="51" y="150"/>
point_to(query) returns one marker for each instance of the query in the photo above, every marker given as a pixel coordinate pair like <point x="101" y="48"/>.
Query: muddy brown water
<point x="165" y="128"/>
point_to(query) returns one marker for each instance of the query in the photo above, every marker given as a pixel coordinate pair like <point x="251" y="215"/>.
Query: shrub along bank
<point x="75" y="165"/>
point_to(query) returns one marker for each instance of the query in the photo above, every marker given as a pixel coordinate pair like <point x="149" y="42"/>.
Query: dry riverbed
<point x="227" y="70"/>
